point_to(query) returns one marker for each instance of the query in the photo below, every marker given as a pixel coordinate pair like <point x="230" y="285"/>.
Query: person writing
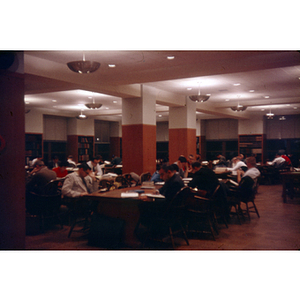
<point x="80" y="183"/>
<point x="94" y="165"/>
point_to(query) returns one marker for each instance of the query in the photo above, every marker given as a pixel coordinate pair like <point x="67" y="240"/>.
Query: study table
<point x="289" y="181"/>
<point x="116" y="204"/>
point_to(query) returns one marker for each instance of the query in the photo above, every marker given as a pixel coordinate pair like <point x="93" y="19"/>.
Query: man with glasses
<point x="80" y="183"/>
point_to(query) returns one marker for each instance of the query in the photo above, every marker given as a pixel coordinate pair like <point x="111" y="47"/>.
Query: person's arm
<point x="240" y="174"/>
<point x="99" y="170"/>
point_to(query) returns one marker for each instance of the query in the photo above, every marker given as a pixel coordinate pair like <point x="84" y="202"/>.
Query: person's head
<point x="166" y="172"/>
<point x="251" y="162"/>
<point x="55" y="158"/>
<point x="83" y="170"/>
<point x="70" y="157"/>
<point x="182" y="161"/>
<point x="241" y="156"/>
<point x="175" y="167"/>
<point x="191" y="158"/>
<point x="39" y="164"/>
<point x="96" y="160"/>
<point x="196" y="166"/>
<point x="63" y="165"/>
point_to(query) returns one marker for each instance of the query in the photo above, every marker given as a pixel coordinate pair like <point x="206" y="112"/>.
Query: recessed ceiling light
<point x="112" y="65"/>
<point x="189" y="88"/>
<point x="251" y="91"/>
<point x="170" y="57"/>
<point x="54" y="100"/>
<point x="236" y="84"/>
<point x="115" y="101"/>
<point x="208" y="94"/>
<point x="267" y="97"/>
<point x="160" y="116"/>
<point x="262" y="109"/>
<point x="106" y="108"/>
<point x="227" y="99"/>
<point x="288" y="104"/>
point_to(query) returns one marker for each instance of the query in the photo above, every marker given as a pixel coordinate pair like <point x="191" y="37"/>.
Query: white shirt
<point x="252" y="172"/>
<point x="237" y="166"/>
<point x="277" y="161"/>
<point x="73" y="185"/>
<point x="97" y="169"/>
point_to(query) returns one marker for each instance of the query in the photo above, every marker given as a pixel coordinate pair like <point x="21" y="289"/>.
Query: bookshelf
<point x="253" y="144"/>
<point x="33" y="146"/>
<point x="81" y="147"/>
<point x="85" y="148"/>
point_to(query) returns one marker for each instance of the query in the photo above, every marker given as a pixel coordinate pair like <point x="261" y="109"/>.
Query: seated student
<point x="39" y="178"/>
<point x="183" y="166"/>
<point x="94" y="165"/>
<point x="252" y="171"/>
<point x="35" y="160"/>
<point x="204" y="178"/>
<point x="80" y="183"/>
<point x="71" y="162"/>
<point x="53" y="163"/>
<point x="278" y="161"/>
<point x="116" y="160"/>
<point x="237" y="164"/>
<point x="61" y="170"/>
<point x="155" y="176"/>
<point x="173" y="184"/>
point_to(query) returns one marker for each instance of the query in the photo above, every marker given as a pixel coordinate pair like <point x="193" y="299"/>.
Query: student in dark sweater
<point x="204" y="178"/>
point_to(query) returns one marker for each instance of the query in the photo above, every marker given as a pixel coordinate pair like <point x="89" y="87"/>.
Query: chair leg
<point x="172" y="238"/>
<point x="237" y="213"/>
<point x="248" y="213"/>
<point x="72" y="227"/>
<point x="255" y="209"/>
<point x="184" y="235"/>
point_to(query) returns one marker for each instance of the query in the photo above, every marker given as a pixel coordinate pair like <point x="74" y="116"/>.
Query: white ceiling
<point x="50" y="85"/>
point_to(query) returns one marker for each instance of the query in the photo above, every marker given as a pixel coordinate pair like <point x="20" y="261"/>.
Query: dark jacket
<point x="39" y="180"/>
<point x="171" y="187"/>
<point x="204" y="179"/>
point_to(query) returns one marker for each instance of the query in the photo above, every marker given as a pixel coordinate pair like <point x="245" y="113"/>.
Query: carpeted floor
<point x="278" y="228"/>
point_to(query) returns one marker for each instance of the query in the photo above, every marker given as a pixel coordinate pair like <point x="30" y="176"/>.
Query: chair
<point x="145" y="177"/>
<point x="106" y="185"/>
<point x="168" y="222"/>
<point x="121" y="182"/>
<point x="201" y="213"/>
<point x="248" y="196"/>
<point x="80" y="212"/>
<point x="45" y="207"/>
<point x="244" y="193"/>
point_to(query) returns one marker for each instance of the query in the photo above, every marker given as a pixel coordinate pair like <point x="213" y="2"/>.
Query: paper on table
<point x="129" y="195"/>
<point x="155" y="196"/>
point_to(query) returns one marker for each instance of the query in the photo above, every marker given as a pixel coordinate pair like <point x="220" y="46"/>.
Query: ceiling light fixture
<point x="239" y="107"/>
<point x="170" y="57"/>
<point x="81" y="116"/>
<point x="270" y="115"/>
<point x="282" y="118"/>
<point x="199" y="98"/>
<point x="93" y="105"/>
<point x="83" y="66"/>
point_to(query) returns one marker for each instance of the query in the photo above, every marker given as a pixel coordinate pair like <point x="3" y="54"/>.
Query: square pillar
<point x="139" y="133"/>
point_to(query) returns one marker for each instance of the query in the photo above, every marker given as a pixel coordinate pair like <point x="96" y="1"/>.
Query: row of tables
<point x="116" y="204"/>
